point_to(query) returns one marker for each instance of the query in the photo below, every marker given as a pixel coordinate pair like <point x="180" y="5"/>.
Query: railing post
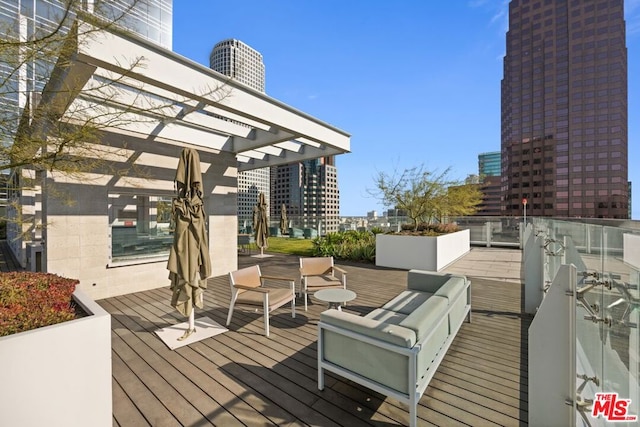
<point x="487" y="233"/>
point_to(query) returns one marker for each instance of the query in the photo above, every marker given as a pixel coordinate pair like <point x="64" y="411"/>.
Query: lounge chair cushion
<point x="323" y="281"/>
<point x="276" y="297"/>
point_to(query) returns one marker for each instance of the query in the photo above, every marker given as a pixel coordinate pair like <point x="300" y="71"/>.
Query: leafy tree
<point x="459" y="200"/>
<point x="424" y="195"/>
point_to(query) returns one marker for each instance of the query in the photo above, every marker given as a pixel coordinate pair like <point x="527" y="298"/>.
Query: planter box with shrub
<point x="59" y="374"/>
<point x="431" y="253"/>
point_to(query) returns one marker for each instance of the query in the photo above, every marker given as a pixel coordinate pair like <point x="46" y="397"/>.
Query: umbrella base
<point x="206" y="328"/>
<point x="187" y="334"/>
<point x="261" y="254"/>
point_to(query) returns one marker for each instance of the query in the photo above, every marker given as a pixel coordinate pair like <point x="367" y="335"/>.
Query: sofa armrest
<point x="392" y="334"/>
<point x="429" y="281"/>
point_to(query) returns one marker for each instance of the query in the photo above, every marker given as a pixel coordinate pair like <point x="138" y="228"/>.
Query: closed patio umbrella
<point x="189" y="263"/>
<point x="261" y="224"/>
<point x="283" y="219"/>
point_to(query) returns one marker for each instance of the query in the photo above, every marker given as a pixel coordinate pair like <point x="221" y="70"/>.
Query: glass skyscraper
<point x="564" y="109"/>
<point x="489" y="164"/>
<point x="33" y="19"/>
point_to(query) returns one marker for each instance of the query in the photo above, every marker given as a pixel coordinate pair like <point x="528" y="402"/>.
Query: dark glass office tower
<point x="564" y="109"/>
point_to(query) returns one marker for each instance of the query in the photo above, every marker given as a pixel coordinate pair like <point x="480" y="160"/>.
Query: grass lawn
<point x="285" y="245"/>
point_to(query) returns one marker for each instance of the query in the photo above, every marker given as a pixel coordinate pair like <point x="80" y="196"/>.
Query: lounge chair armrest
<point x="339" y="269"/>
<point x="252" y="288"/>
<point x="286" y="279"/>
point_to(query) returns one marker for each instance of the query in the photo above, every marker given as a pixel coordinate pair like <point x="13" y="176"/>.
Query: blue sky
<point x="414" y="82"/>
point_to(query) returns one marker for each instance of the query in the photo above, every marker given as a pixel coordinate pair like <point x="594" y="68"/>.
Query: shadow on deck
<point x="243" y="378"/>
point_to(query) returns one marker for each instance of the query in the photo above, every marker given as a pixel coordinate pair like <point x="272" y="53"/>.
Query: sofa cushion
<point x="424" y="318"/>
<point x="407" y="301"/>
<point x="428" y="281"/>
<point x="393" y="334"/>
<point x="386" y="316"/>
<point x="451" y="288"/>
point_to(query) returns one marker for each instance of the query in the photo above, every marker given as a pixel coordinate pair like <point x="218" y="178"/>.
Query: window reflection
<point x="141" y="226"/>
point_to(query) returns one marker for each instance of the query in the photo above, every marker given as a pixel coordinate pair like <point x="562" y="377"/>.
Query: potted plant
<point x="427" y="199"/>
<point x="430" y="247"/>
<point x="56" y="364"/>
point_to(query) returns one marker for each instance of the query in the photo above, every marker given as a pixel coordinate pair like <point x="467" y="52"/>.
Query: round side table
<point x="335" y="297"/>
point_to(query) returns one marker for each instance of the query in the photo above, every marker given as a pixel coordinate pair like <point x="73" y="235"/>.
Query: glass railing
<point x="604" y="337"/>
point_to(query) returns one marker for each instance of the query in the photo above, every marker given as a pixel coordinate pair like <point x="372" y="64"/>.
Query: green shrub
<point x="32" y="300"/>
<point x="426" y="229"/>
<point x="377" y="230"/>
<point x="347" y="245"/>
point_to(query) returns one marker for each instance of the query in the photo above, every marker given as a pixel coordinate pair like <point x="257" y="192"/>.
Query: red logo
<point x="612" y="408"/>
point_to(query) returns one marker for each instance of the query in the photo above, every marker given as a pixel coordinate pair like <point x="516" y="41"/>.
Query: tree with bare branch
<point x="425" y="195"/>
<point x="40" y="130"/>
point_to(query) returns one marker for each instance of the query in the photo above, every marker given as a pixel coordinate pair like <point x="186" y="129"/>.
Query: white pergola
<point x="154" y="94"/>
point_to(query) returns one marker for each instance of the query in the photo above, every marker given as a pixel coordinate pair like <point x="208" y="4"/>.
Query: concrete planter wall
<point x="59" y="375"/>
<point x="421" y="252"/>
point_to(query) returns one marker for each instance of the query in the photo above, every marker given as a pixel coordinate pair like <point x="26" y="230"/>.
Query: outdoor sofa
<point x="396" y="349"/>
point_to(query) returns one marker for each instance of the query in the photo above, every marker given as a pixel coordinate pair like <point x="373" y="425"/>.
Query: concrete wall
<point x="77" y="236"/>
<point x="421" y="252"/>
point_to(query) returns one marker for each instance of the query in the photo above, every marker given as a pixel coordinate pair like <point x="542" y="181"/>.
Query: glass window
<point x="141" y="227"/>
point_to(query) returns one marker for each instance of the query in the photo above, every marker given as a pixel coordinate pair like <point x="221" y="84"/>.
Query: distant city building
<point x="491" y="201"/>
<point x="396" y="213"/>
<point x="244" y="64"/>
<point x="489" y="173"/>
<point x="489" y="164"/>
<point x="564" y="109"/>
<point x="239" y="61"/>
<point x="372" y="215"/>
<point x="310" y="192"/>
<point x="630" y="200"/>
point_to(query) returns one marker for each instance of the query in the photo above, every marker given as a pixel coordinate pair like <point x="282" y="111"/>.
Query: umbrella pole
<point x="192" y="326"/>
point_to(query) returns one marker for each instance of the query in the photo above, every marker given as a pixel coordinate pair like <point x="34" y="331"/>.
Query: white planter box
<point x="421" y="252"/>
<point x="59" y="375"/>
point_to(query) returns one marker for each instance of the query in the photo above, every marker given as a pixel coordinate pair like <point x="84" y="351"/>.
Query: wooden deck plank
<point x="214" y="388"/>
<point x="244" y="378"/>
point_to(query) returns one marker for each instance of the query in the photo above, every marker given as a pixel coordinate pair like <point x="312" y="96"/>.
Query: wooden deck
<point x="243" y="378"/>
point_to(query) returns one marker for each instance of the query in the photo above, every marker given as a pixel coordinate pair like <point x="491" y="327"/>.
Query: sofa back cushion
<point x="386" y="316"/>
<point x="424" y="321"/>
<point x="424" y="318"/>
<point x="454" y="290"/>
<point x="428" y="281"/>
<point x="407" y="301"/>
<point x="388" y="332"/>
<point x="451" y="288"/>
